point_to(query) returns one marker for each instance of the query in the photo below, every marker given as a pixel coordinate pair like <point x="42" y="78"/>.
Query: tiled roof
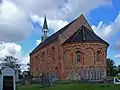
<point x="84" y="35"/>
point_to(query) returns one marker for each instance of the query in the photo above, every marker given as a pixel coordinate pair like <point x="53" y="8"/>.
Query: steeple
<point x="44" y="30"/>
<point x="45" y="26"/>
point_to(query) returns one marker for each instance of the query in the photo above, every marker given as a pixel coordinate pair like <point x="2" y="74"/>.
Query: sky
<point x="21" y="23"/>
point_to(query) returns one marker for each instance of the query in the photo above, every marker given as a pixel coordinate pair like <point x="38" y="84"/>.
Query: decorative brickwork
<point x="76" y="53"/>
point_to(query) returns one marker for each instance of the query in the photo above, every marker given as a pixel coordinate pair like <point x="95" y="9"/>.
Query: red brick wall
<point x="65" y="60"/>
<point x="88" y="59"/>
<point x="49" y="63"/>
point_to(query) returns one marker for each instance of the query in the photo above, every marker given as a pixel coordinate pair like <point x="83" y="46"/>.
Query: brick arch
<point x="67" y="58"/>
<point x="74" y="54"/>
<point x="101" y="49"/>
<point x="101" y="53"/>
<point x="89" y="56"/>
<point x="77" y="49"/>
<point x="53" y="53"/>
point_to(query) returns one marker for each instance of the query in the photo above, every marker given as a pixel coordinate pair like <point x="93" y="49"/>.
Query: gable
<point x="64" y="33"/>
<point x="84" y="35"/>
<point x="81" y="21"/>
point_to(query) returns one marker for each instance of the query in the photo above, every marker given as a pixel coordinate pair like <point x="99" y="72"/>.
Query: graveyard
<point x="10" y="81"/>
<point x="47" y="81"/>
<point x="73" y="86"/>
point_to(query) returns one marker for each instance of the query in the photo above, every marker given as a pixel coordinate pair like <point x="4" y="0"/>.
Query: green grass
<point x="115" y="76"/>
<point x="72" y="86"/>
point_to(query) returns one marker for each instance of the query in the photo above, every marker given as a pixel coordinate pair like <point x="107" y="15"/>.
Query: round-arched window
<point x="53" y="53"/>
<point x="78" y="56"/>
<point x="43" y="56"/>
<point x="99" y="55"/>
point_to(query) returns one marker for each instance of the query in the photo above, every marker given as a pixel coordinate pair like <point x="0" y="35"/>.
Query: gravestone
<point x="16" y="77"/>
<point x="116" y="80"/>
<point x="7" y="80"/>
<point x="47" y="79"/>
<point x="25" y="75"/>
<point x="118" y="74"/>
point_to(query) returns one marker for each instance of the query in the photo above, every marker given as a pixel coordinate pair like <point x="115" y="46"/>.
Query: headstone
<point x="16" y="77"/>
<point x="7" y="79"/>
<point x="116" y="80"/>
<point x="118" y="74"/>
<point x="47" y="79"/>
<point x="0" y="80"/>
<point x="25" y="77"/>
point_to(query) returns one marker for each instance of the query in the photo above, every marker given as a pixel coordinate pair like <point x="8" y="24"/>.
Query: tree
<point x="28" y="64"/>
<point x="118" y="68"/>
<point x="11" y="62"/>
<point x="111" y="68"/>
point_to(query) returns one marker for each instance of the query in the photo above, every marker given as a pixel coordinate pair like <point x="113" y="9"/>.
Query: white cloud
<point x="117" y="56"/>
<point x="117" y="45"/>
<point x="107" y="31"/>
<point x="15" y="50"/>
<point x="62" y="9"/>
<point x="14" y="14"/>
<point x="52" y="24"/>
<point x="38" y="42"/>
<point x="13" y="23"/>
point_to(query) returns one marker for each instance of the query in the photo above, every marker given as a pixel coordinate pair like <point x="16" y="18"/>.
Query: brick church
<point x="74" y="52"/>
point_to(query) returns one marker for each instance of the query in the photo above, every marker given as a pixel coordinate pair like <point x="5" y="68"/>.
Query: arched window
<point x="78" y="56"/>
<point x="43" y="56"/>
<point x="36" y="57"/>
<point x="99" y="53"/>
<point x="53" y="53"/>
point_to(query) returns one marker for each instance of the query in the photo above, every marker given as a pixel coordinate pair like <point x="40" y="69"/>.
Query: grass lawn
<point x="72" y="86"/>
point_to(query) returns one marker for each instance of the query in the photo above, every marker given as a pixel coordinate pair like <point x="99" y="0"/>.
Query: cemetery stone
<point x="7" y="79"/>
<point x="47" y="79"/>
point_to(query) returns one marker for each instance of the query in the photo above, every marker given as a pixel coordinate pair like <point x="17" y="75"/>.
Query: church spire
<point x="44" y="30"/>
<point x="45" y="26"/>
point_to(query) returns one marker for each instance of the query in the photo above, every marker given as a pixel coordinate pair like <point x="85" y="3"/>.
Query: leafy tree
<point x="111" y="68"/>
<point x="11" y="62"/>
<point x="28" y="64"/>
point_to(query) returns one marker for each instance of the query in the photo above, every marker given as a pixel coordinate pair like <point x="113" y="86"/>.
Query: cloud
<point x="117" y="45"/>
<point x="14" y="25"/>
<point x="52" y="24"/>
<point x="117" y="56"/>
<point x="62" y="9"/>
<point x="15" y="50"/>
<point x="38" y="42"/>
<point x="107" y="31"/>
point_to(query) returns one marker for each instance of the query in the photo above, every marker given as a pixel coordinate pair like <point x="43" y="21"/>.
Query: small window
<point x="53" y="53"/>
<point x="36" y="57"/>
<point x="78" y="56"/>
<point x="43" y="56"/>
